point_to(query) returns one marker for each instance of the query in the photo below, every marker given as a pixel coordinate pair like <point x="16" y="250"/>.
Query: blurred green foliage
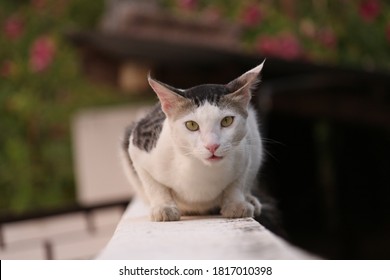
<point x="352" y="33"/>
<point x="41" y="86"/>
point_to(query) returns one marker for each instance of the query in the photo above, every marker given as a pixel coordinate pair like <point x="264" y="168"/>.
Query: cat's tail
<point x="127" y="162"/>
<point x="270" y="216"/>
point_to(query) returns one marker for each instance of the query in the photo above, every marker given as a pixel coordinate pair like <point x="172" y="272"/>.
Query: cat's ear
<point x="170" y="100"/>
<point x="242" y="87"/>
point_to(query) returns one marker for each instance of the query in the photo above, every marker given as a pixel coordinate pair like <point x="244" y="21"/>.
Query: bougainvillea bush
<point x="351" y="33"/>
<point x="40" y="88"/>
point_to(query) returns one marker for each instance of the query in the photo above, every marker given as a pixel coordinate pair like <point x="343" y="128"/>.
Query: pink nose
<point x="212" y="148"/>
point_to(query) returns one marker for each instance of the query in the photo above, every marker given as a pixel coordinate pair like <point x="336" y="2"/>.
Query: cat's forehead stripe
<point x="210" y="93"/>
<point x="214" y="95"/>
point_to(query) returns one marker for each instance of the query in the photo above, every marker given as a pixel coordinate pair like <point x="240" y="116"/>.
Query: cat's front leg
<point x="234" y="204"/>
<point x="163" y="206"/>
<point x="165" y="213"/>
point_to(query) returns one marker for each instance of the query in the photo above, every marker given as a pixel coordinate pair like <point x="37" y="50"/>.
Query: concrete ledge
<point x="197" y="237"/>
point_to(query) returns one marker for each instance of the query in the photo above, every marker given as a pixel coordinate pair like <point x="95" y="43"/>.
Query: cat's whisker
<point x="271" y="155"/>
<point x="268" y="140"/>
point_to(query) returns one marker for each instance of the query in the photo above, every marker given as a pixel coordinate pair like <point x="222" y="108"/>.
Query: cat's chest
<point x="196" y="182"/>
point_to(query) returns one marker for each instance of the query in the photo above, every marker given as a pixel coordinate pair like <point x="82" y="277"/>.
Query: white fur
<point x="196" y="184"/>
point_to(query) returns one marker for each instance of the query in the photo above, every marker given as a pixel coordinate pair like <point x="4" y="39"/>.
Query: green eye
<point x="227" y="121"/>
<point x="192" y="126"/>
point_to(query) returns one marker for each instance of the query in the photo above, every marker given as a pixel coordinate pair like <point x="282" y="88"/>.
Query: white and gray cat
<point x="198" y="151"/>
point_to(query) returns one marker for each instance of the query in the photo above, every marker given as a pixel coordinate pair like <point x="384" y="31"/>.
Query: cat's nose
<point x="212" y="148"/>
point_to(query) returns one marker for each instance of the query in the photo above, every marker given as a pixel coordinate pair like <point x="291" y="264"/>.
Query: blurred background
<point x="73" y="74"/>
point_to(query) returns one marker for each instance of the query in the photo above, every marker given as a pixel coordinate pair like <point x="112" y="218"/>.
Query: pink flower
<point x="369" y="9"/>
<point x="268" y="46"/>
<point x="251" y="15"/>
<point x="188" y="4"/>
<point x="289" y="47"/>
<point x="42" y="54"/>
<point x="13" y="27"/>
<point x="284" y="46"/>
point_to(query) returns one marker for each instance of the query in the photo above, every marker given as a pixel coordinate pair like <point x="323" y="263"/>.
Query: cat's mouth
<point x="214" y="158"/>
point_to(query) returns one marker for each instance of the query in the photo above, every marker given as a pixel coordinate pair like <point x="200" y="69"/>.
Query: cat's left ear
<point x="242" y="87"/>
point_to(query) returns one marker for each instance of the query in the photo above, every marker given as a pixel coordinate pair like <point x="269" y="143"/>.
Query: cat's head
<point x="208" y="121"/>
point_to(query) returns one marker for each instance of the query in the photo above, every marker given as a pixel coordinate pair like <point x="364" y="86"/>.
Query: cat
<point x="198" y="151"/>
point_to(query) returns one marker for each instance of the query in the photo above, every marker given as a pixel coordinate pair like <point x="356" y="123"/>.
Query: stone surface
<point x="102" y="218"/>
<point x="200" y="237"/>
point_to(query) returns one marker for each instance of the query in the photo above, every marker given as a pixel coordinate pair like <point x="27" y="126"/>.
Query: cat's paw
<point x="255" y="202"/>
<point x="165" y="214"/>
<point x="240" y="209"/>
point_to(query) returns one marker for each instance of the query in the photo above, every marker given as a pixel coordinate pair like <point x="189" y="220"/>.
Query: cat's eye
<point x="227" y="121"/>
<point x="192" y="126"/>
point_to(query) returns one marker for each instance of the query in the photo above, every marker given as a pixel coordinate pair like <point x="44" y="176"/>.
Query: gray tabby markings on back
<point x="147" y="131"/>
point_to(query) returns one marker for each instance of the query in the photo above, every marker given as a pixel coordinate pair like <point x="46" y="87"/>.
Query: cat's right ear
<point x="169" y="99"/>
